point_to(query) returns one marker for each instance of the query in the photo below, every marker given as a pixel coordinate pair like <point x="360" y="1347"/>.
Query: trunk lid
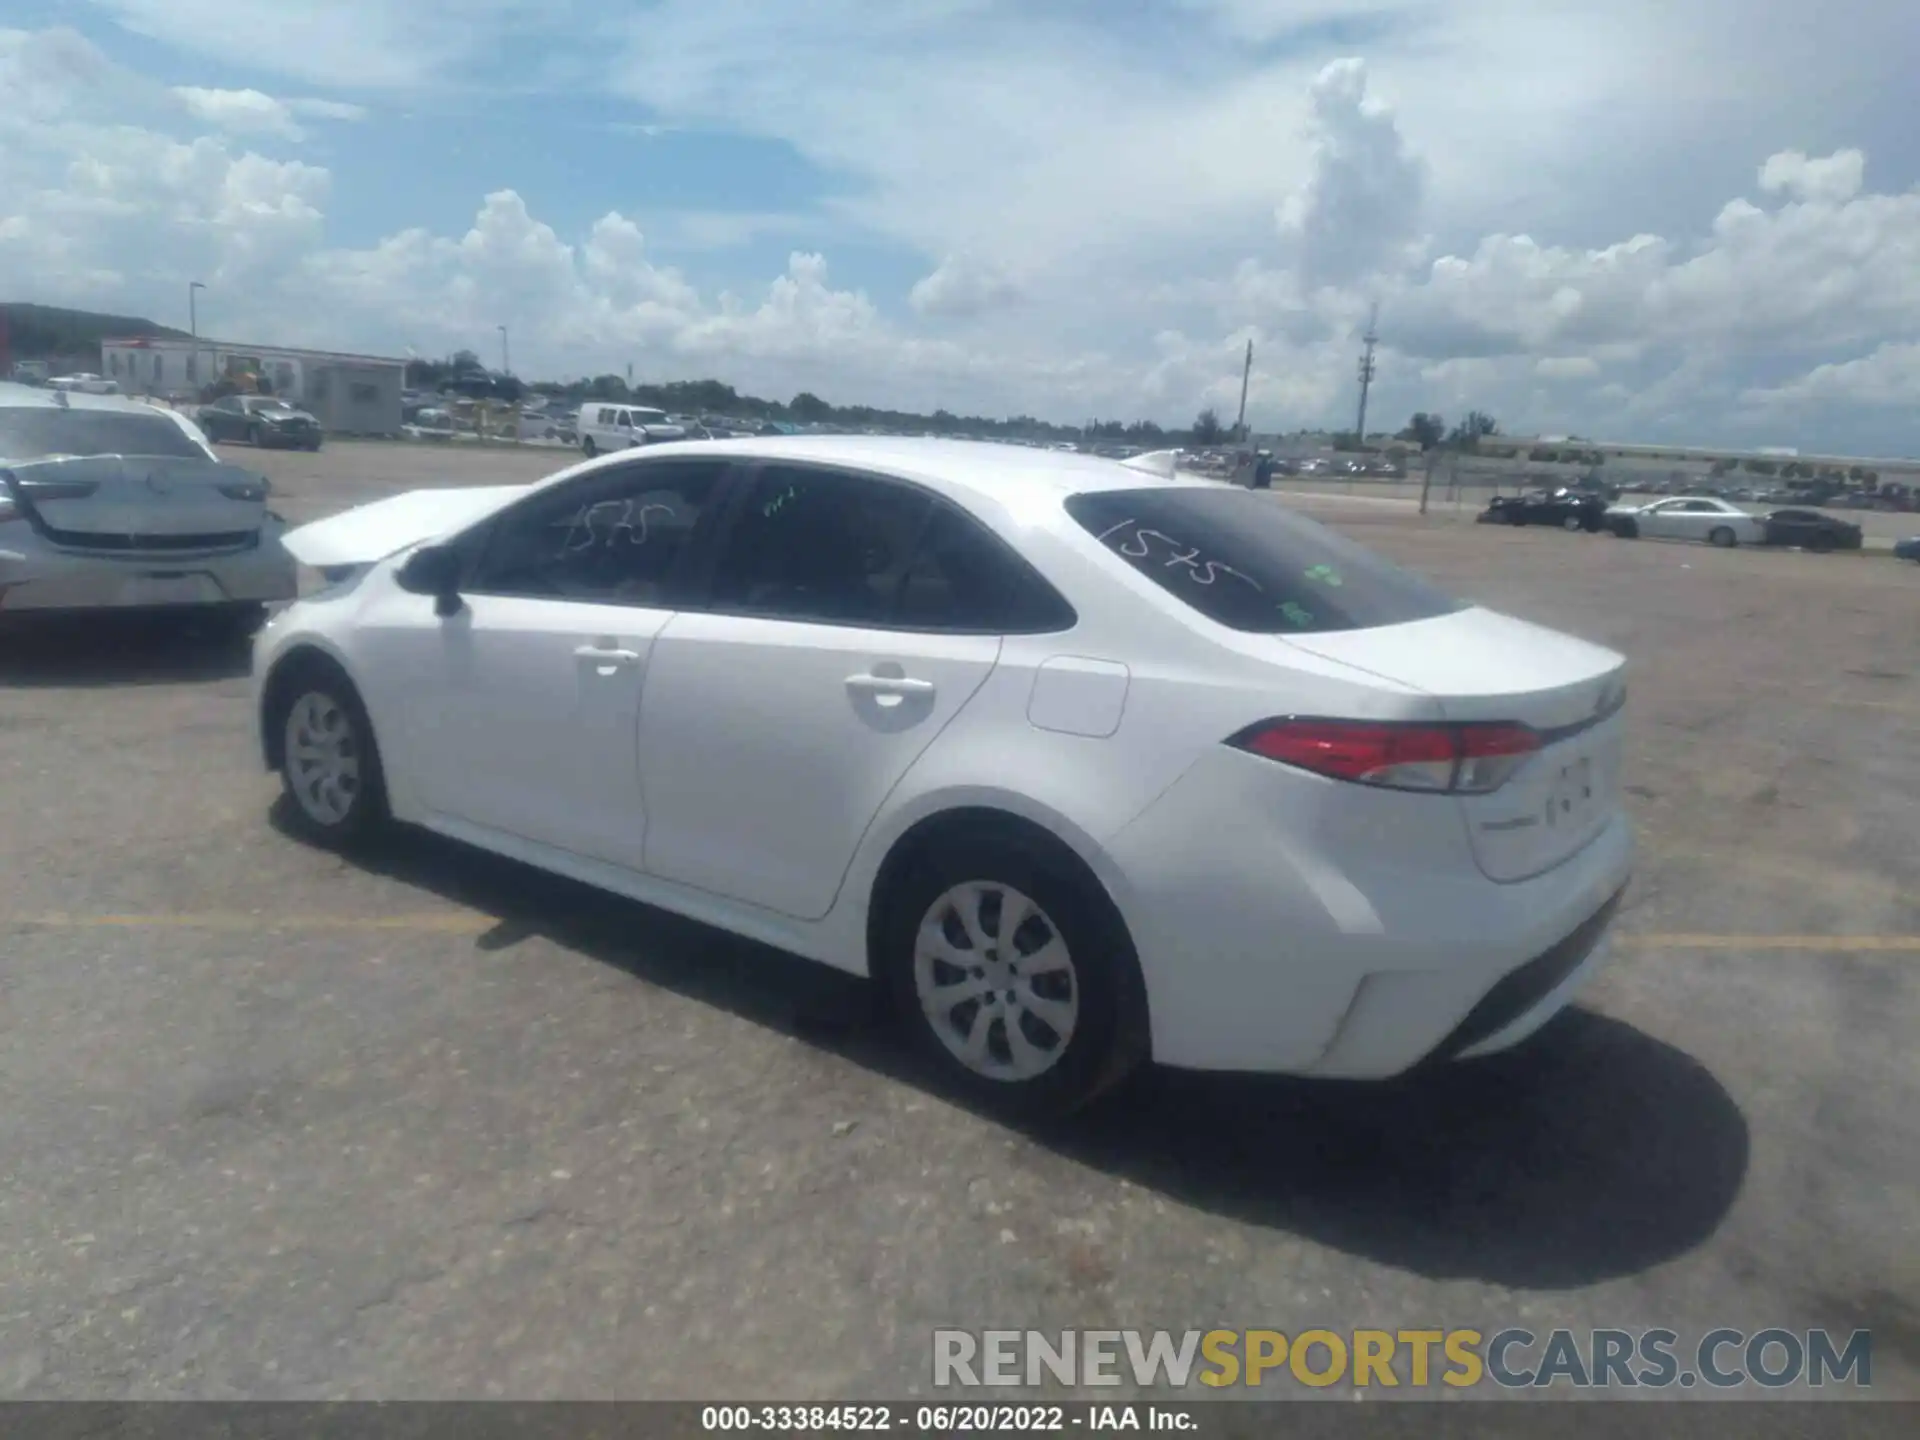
<point x="1481" y="665"/>
<point x="130" y="502"/>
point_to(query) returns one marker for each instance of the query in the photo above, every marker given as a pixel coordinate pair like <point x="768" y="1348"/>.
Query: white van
<point x="621" y="427"/>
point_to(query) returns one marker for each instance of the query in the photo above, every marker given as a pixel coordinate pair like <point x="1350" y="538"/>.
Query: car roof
<point x="963" y="470"/>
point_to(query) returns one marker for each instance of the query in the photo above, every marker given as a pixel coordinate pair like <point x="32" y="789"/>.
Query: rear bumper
<point x="36" y="577"/>
<point x="1339" y="944"/>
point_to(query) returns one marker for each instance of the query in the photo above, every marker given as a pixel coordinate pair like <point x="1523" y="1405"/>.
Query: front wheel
<point x="253" y="434"/>
<point x="1573" y="524"/>
<point x="1820" y="542"/>
<point x="329" y="764"/>
<point x="1017" y="982"/>
<point x="1724" y="537"/>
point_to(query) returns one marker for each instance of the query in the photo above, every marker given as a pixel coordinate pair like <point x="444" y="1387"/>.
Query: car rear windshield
<point x="1248" y="563"/>
<point x="29" y="432"/>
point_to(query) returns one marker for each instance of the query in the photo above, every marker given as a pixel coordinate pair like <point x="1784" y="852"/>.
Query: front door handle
<point x="606" y="659"/>
<point x="888" y="685"/>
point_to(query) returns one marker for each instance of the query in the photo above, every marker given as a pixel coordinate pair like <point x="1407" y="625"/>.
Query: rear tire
<point x="1723" y="537"/>
<point x="1035" y="1022"/>
<point x="589" y="448"/>
<point x="329" y="763"/>
<point x="1820" y="542"/>
<point x="1573" y="524"/>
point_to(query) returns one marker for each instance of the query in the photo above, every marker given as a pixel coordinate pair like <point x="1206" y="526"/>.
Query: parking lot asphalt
<point x="430" y="1125"/>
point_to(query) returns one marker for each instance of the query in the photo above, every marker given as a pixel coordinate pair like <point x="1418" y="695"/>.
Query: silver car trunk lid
<point x="1480" y="665"/>
<point x="118" y="497"/>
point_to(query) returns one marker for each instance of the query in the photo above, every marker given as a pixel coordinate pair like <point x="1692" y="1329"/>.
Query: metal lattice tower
<point x="1366" y="372"/>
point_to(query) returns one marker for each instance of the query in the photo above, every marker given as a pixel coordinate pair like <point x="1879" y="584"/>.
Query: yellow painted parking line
<point x="1893" y="944"/>
<point x="472" y="922"/>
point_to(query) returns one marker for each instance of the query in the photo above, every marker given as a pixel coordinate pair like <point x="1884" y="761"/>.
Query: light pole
<point x="194" y="287"/>
<point x="506" y="364"/>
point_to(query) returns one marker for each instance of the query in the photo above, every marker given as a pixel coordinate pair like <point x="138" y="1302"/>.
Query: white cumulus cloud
<point x="239" y="112"/>
<point x="963" y="287"/>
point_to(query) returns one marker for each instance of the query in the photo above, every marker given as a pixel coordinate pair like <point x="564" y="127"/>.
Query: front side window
<point x="617" y="538"/>
<point x="820" y="545"/>
<point x="1244" y="562"/>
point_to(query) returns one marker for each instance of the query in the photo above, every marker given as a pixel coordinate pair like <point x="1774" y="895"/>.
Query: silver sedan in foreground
<point x="108" y="504"/>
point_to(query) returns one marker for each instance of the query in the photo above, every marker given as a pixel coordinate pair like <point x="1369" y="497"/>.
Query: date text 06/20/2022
<point x="946" y="1419"/>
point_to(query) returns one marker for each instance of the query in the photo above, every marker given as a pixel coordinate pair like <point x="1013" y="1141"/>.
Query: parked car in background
<point x="606" y="427"/>
<point x="1810" y="530"/>
<point x="264" y="420"/>
<point x="85" y="383"/>
<point x="1688" y="517"/>
<point x="560" y="425"/>
<point x="109" y="504"/>
<point x="1567" y="508"/>
<point x="432" y="423"/>
<point x="1908" y="549"/>
<point x="837" y="695"/>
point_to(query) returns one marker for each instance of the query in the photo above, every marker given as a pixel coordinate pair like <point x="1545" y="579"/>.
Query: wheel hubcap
<point x="323" y="758"/>
<point x="995" y="981"/>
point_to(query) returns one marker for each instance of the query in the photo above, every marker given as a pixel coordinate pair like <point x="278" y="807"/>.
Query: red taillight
<point x="1472" y="759"/>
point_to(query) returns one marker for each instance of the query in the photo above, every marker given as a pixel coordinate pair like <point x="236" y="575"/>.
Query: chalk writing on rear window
<point x="1130" y="539"/>
<point x="1250" y="564"/>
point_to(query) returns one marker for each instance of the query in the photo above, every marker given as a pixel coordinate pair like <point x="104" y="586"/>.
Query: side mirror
<point x="434" y="570"/>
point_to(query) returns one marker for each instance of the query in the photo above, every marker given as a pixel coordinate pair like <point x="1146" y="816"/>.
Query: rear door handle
<point x="888" y="685"/>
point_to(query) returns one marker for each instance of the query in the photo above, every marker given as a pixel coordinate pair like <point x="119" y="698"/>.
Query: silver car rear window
<point x="31" y="432"/>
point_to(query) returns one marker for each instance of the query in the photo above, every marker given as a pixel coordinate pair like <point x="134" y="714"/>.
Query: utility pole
<point x="1246" y="374"/>
<point x="1366" y="373"/>
<point x="506" y="362"/>
<point x="194" y="288"/>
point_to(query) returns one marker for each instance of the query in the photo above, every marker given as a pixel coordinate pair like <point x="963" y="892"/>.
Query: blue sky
<point x="1628" y="219"/>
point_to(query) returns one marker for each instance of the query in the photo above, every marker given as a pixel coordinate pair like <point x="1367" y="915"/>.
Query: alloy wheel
<point x="995" y="981"/>
<point x="323" y="758"/>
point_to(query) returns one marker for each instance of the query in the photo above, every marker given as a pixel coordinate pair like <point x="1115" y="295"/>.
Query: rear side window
<point x="1249" y="564"/>
<point x="964" y="578"/>
<point x="30" y="432"/>
<point x="820" y="545"/>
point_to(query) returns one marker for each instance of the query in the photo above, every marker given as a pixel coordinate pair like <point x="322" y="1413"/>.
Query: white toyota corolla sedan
<point x="1085" y="765"/>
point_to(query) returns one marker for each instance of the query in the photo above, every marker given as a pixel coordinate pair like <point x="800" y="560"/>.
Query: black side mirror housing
<point x="434" y="570"/>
